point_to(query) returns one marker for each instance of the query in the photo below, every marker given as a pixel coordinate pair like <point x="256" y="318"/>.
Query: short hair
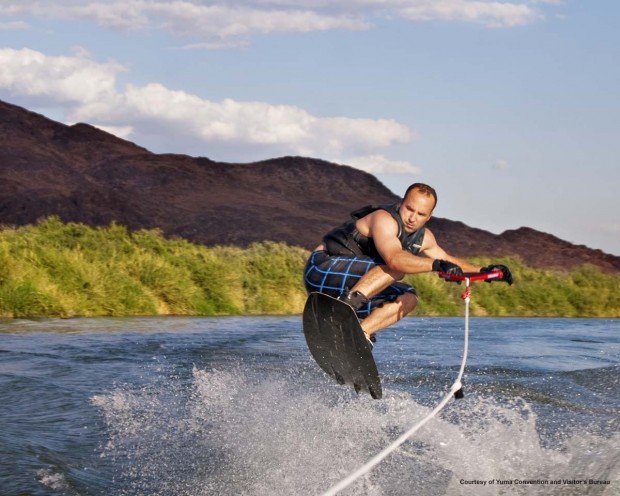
<point x="425" y="189"/>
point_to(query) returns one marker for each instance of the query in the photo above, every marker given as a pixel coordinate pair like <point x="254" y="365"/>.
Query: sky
<point x="510" y="109"/>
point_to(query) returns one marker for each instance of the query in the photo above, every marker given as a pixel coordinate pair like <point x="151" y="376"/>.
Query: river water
<point x="235" y="405"/>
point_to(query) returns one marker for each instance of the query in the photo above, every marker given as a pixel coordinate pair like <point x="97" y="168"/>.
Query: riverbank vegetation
<point x="58" y="269"/>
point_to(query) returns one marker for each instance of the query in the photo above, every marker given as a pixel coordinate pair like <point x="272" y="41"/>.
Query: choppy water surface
<point x="218" y="406"/>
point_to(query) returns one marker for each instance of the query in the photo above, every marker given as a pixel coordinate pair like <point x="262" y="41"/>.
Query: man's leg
<point x="389" y="313"/>
<point x="372" y="283"/>
<point x="324" y="273"/>
<point x="376" y="280"/>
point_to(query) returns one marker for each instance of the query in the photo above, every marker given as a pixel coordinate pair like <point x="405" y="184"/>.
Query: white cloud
<point x="59" y="79"/>
<point x="610" y="227"/>
<point x="501" y="164"/>
<point x="229" y="24"/>
<point x="13" y="26"/>
<point x="128" y="15"/>
<point x="86" y="89"/>
<point x="378" y="164"/>
<point x="222" y="21"/>
<point x="290" y="128"/>
<point x="122" y="132"/>
<point x="491" y="14"/>
<point x="217" y="45"/>
<point x="211" y="24"/>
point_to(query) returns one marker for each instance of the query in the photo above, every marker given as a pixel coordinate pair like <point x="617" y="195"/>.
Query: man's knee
<point x="394" y="274"/>
<point x="408" y="302"/>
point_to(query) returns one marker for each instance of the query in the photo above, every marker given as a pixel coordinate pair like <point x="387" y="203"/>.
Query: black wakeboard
<point x="338" y="344"/>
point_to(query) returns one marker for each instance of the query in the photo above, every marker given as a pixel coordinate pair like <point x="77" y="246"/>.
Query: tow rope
<point x="456" y="389"/>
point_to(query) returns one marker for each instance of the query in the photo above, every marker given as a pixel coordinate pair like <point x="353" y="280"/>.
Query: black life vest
<point x="347" y="240"/>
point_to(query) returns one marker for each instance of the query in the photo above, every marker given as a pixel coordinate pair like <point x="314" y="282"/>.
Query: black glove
<point x="447" y="267"/>
<point x="507" y="276"/>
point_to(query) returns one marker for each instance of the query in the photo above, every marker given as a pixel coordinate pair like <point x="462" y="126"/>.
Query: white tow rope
<point x="455" y="390"/>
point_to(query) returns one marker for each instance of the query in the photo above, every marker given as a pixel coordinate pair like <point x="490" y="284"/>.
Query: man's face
<point x="416" y="210"/>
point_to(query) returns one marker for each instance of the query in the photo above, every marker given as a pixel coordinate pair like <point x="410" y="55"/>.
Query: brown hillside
<point x="83" y="174"/>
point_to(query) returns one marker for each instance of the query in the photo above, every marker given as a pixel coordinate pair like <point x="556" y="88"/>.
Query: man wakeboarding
<point x="362" y="261"/>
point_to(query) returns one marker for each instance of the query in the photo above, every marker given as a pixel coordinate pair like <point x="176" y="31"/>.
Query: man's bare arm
<point x="432" y="250"/>
<point x="384" y="231"/>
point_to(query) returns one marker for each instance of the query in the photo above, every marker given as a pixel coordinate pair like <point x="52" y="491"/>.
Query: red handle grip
<point x="473" y="276"/>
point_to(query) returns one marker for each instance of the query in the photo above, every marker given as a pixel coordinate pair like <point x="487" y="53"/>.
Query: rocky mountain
<point x="83" y="174"/>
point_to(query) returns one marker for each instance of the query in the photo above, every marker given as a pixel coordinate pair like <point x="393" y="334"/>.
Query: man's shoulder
<point x="382" y="216"/>
<point x="381" y="220"/>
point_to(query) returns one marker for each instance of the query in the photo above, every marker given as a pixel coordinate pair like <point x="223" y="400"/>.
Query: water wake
<point x="236" y="431"/>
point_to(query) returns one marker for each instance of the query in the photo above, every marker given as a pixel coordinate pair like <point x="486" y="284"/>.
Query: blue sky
<point x="510" y="109"/>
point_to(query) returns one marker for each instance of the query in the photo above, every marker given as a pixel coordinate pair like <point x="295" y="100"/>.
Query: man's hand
<point x="447" y="267"/>
<point x="507" y="276"/>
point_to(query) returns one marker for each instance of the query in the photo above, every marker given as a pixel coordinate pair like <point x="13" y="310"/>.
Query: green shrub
<point x="69" y="269"/>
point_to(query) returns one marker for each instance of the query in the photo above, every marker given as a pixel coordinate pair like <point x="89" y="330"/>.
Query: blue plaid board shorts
<point x="336" y="274"/>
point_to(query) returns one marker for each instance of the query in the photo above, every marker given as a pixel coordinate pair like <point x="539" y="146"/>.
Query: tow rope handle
<point x="472" y="276"/>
